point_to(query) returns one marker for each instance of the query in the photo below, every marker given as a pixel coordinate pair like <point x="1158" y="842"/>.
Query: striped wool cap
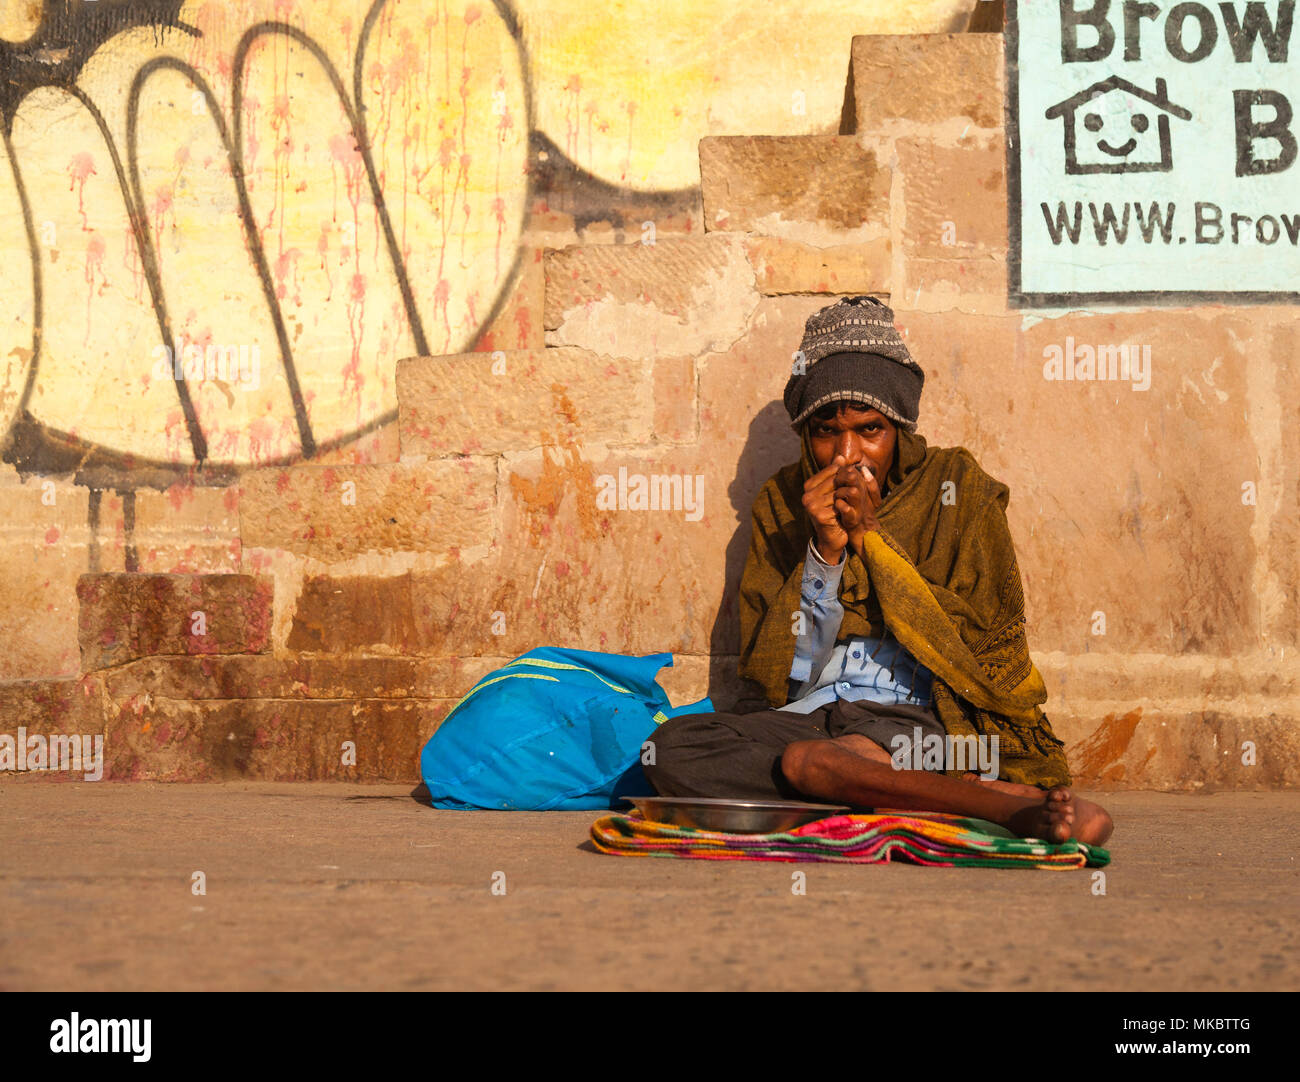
<point x="852" y="352"/>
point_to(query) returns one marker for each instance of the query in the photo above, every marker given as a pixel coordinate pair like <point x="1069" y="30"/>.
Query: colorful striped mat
<point x="929" y="838"/>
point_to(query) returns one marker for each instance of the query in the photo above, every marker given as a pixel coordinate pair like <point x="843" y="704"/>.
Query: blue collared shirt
<point x="861" y="667"/>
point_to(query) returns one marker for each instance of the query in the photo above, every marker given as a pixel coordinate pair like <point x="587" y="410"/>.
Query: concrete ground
<point x="340" y="886"/>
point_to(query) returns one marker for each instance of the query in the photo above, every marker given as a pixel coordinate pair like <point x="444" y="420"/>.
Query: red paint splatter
<point x="323" y="249"/>
<point x="347" y="155"/>
<point x="285" y="265"/>
<point x="95" y="250"/>
<point x="499" y="212"/>
<point x="441" y="299"/>
<point x="251" y="145"/>
<point x="573" y="115"/>
<point x="80" y="169"/>
<point x="631" y="113"/>
<point x="261" y="438"/>
<point x="206" y="49"/>
<point x="356" y="328"/>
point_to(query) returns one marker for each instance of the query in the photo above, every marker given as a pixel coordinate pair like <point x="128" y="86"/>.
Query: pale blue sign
<point x="1152" y="151"/>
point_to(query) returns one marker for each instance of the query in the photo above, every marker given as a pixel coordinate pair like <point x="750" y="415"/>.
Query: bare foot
<point x="1061" y="816"/>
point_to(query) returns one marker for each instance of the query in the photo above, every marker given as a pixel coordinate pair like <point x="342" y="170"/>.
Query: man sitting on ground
<point x="881" y="604"/>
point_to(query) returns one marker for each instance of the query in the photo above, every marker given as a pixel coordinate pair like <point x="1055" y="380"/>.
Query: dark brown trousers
<point x="738" y="756"/>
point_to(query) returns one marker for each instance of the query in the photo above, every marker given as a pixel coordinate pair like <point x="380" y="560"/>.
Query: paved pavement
<point x="340" y="886"/>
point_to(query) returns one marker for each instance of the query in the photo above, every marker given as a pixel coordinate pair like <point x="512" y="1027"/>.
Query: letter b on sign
<point x="1250" y="130"/>
<point x="1074" y="34"/>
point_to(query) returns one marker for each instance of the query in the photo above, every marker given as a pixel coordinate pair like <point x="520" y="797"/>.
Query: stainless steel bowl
<point x="732" y="816"/>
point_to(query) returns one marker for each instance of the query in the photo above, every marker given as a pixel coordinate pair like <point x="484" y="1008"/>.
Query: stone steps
<point x="944" y="86"/>
<point x="826" y="189"/>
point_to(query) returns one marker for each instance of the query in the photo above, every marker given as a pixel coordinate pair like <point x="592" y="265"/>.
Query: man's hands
<point x="842" y="501"/>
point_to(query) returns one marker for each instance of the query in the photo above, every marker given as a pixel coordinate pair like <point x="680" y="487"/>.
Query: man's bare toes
<point x="1052" y="821"/>
<point x="1059" y="820"/>
<point x="1060" y="817"/>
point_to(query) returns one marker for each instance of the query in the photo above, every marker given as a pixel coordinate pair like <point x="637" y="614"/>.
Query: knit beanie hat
<point x="853" y="353"/>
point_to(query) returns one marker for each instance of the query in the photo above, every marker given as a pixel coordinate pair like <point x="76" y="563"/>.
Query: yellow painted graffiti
<point x="218" y="240"/>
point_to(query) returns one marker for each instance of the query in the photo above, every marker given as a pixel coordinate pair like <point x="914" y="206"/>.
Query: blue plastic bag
<point x="554" y="729"/>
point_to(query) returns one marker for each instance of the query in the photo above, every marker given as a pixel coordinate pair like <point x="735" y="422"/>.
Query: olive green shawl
<point x="940" y="573"/>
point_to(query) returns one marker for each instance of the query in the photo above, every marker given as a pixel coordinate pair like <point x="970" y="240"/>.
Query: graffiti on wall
<point x="222" y="223"/>
<point x="239" y="221"/>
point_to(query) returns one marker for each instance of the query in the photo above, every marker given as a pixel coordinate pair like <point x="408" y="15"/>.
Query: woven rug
<point x="929" y="838"/>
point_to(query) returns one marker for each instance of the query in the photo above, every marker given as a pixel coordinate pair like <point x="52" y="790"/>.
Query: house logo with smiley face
<point x="1125" y="129"/>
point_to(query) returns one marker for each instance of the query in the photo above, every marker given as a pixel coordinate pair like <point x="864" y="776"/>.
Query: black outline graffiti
<point x="28" y="439"/>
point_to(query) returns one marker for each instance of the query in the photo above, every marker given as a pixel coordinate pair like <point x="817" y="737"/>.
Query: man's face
<point x="859" y="433"/>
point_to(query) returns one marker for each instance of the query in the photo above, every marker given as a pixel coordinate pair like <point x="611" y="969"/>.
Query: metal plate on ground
<point x="732" y="816"/>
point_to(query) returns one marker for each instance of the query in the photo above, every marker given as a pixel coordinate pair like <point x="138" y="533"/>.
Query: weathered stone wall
<point x="371" y="594"/>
